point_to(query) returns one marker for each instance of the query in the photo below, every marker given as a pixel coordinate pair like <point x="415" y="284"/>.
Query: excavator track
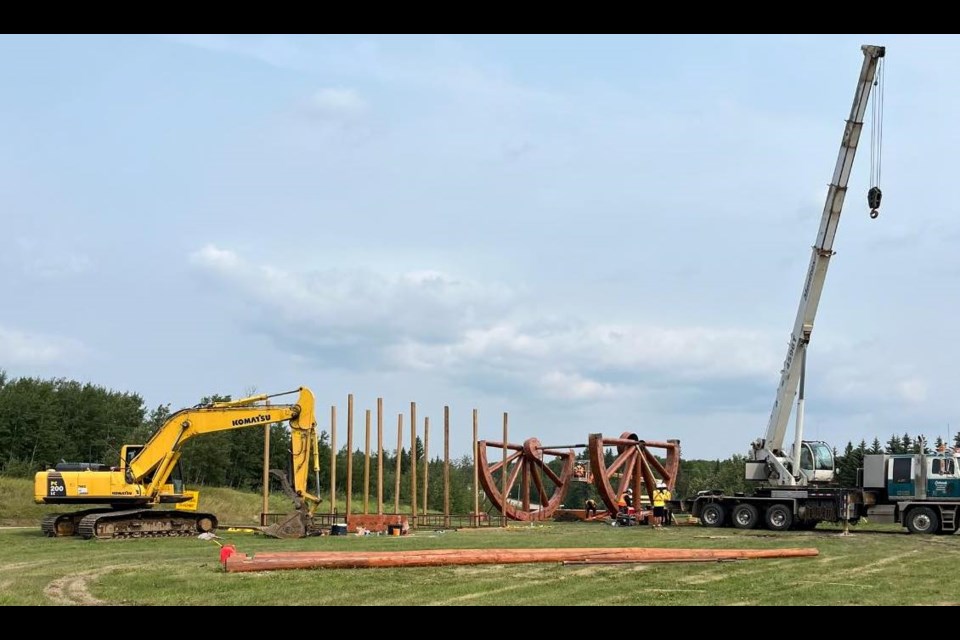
<point x="62" y="525"/>
<point x="145" y="523"/>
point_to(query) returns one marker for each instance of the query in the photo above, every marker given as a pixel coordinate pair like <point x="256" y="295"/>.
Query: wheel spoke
<point x="513" y="477"/>
<point x="513" y="456"/>
<point x="540" y="488"/>
<point x="648" y="478"/>
<point x="525" y="486"/>
<point x="547" y="470"/>
<point x="653" y="462"/>
<point x="620" y="461"/>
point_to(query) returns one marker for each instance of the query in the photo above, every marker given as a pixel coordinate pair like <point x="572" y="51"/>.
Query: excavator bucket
<point x="294" y="525"/>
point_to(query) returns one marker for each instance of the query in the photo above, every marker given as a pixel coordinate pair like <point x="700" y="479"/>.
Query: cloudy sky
<point x="594" y="234"/>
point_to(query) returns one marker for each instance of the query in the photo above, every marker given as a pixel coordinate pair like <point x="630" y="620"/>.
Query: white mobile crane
<point x="812" y="462"/>
<point x="795" y="494"/>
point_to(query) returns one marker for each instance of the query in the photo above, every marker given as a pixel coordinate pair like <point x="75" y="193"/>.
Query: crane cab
<point x="817" y="465"/>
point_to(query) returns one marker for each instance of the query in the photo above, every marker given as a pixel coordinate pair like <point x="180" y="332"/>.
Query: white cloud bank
<point x="436" y="323"/>
<point x="336" y="102"/>
<point x="18" y="348"/>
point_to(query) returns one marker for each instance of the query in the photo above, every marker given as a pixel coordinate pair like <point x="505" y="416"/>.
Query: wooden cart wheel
<point x="634" y="467"/>
<point x="528" y="463"/>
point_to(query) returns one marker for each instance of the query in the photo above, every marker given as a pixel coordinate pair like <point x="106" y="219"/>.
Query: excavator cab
<point x="131" y="451"/>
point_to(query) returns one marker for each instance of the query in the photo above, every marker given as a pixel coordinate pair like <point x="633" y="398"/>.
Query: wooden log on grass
<point x="451" y="557"/>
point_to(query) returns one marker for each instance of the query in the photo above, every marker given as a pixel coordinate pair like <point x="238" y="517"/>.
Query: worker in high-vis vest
<point x="660" y="497"/>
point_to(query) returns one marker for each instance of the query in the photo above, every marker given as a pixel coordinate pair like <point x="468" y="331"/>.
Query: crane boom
<point x="769" y="450"/>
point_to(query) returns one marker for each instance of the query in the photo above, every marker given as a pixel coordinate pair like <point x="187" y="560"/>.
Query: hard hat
<point x="661" y="485"/>
<point x="629" y="490"/>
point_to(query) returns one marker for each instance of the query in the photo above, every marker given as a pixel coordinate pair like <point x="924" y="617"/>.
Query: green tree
<point x="894" y="445"/>
<point x="43" y="422"/>
<point x="906" y="443"/>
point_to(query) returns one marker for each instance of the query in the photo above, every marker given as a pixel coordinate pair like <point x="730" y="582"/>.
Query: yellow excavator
<point x="149" y="476"/>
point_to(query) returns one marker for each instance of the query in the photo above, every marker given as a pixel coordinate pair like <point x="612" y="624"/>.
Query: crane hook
<point x="873" y="200"/>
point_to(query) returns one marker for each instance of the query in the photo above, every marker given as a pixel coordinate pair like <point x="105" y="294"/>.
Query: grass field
<point x="870" y="567"/>
<point x="873" y="566"/>
<point x="235" y="507"/>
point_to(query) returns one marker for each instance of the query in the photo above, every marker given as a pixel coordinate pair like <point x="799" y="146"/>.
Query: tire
<point x="713" y="515"/>
<point x="778" y="517"/>
<point x="922" y="520"/>
<point x="745" y="516"/>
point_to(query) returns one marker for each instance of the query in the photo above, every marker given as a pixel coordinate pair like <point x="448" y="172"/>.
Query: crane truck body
<point x="136" y="495"/>
<point x="919" y="491"/>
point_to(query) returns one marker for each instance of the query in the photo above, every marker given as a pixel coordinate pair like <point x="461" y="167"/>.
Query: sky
<point x="593" y="234"/>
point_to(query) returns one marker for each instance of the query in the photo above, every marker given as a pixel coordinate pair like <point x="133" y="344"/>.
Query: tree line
<point x="43" y="422"/>
<point x="47" y="421"/>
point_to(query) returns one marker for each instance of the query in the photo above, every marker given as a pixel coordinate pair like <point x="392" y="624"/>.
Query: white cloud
<point x="279" y="51"/>
<point x="217" y="259"/>
<point x="49" y="260"/>
<point x="855" y="375"/>
<point x="913" y="390"/>
<point x="336" y="102"/>
<point x="442" y="63"/>
<point x="691" y="353"/>
<point x="432" y="322"/>
<point x="566" y="386"/>
<point x="355" y="306"/>
<point x="29" y="349"/>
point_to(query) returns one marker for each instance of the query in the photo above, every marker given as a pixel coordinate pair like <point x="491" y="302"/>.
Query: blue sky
<point x="592" y="233"/>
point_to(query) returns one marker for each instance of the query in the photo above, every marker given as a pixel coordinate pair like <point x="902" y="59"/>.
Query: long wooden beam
<point x="448" y="557"/>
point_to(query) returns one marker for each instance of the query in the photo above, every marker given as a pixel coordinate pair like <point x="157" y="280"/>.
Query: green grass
<point x="235" y="507"/>
<point x="230" y="506"/>
<point x="873" y="566"/>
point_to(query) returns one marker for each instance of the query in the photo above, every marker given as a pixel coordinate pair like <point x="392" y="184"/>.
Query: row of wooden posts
<point x="413" y="461"/>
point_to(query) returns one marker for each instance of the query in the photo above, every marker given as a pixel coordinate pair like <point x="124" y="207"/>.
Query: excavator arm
<point x="154" y="463"/>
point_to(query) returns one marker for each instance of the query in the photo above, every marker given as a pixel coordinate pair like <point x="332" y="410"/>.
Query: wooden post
<point x="266" y="475"/>
<point x="637" y="480"/>
<point x="366" y="469"/>
<point x="446" y="466"/>
<point x="476" y="474"/>
<point x="525" y="487"/>
<point x="379" y="456"/>
<point x="349" y="452"/>
<point x="426" y="462"/>
<point x="413" y="464"/>
<point x="396" y="487"/>
<point x="503" y="469"/>
<point x="333" y="459"/>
